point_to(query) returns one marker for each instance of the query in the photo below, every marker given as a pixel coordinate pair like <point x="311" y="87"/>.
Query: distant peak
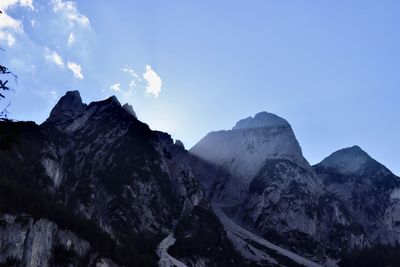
<point x="348" y="160"/>
<point x="353" y="150"/>
<point x="260" y="120"/>
<point x="129" y="109"/>
<point x="68" y="105"/>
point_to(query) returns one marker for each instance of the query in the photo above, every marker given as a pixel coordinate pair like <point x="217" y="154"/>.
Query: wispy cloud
<point x="154" y="82"/>
<point x="9" y="23"/>
<point x="76" y="70"/>
<point x="135" y="78"/>
<point x="116" y="87"/>
<point x="71" y="38"/>
<point x="70" y="11"/>
<point x="151" y="82"/>
<point x="54" y="57"/>
<point x="8" y="38"/>
<point x="27" y="3"/>
<point x="5" y="4"/>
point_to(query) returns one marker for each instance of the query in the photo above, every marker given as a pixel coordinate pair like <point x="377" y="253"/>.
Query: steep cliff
<point x="97" y="164"/>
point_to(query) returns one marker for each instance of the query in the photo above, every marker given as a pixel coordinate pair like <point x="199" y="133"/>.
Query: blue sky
<point x="331" y="68"/>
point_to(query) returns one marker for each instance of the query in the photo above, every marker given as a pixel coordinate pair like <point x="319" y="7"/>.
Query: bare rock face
<point x="261" y="120"/>
<point x="31" y="243"/>
<point x="369" y="190"/>
<point x="256" y="173"/>
<point x="242" y="152"/>
<point x="348" y="161"/>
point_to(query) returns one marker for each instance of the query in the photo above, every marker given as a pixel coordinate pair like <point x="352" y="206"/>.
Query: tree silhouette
<point x="4" y="71"/>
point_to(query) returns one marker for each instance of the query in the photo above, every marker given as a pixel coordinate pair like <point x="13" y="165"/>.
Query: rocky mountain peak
<point x="267" y="139"/>
<point x="113" y="98"/>
<point x="70" y="114"/>
<point x="350" y="160"/>
<point x="67" y="107"/>
<point x="260" y="120"/>
<point x="129" y="109"/>
<point x="243" y="151"/>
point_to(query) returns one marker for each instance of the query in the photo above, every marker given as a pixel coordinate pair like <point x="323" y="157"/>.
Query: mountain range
<point x="95" y="186"/>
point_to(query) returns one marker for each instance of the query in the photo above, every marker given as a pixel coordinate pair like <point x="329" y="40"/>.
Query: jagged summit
<point x="68" y="106"/>
<point x="348" y="160"/>
<point x="261" y="120"/>
<point x="264" y="140"/>
<point x="112" y="100"/>
<point x="244" y="150"/>
<point x="70" y="114"/>
<point x="71" y="105"/>
<point x="129" y="109"/>
<point x="109" y="179"/>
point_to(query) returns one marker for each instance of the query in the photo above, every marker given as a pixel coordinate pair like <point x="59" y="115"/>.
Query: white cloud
<point x="71" y="38"/>
<point x="70" y="11"/>
<point x="76" y="70"/>
<point x="5" y="4"/>
<point x="39" y="38"/>
<point x="131" y="72"/>
<point x="27" y="3"/>
<point x="54" y="57"/>
<point x="8" y="25"/>
<point x="154" y="82"/>
<point x="7" y="37"/>
<point x="116" y="87"/>
<point x="7" y="22"/>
